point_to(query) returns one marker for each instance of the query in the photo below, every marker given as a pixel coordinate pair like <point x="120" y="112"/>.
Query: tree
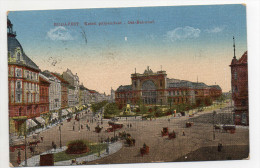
<point x="170" y="102"/>
<point x="111" y="109"/>
<point x="143" y="109"/>
<point x="97" y="106"/>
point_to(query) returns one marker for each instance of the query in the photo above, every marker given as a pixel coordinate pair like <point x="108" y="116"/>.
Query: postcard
<point x="128" y="85"/>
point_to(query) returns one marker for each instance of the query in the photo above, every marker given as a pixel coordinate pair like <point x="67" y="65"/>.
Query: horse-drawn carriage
<point x="189" y="124"/>
<point x="98" y="129"/>
<point x="165" y="131"/>
<point x="231" y="128"/>
<point x="144" y="150"/>
<point x="172" y="135"/>
<point x="129" y="140"/>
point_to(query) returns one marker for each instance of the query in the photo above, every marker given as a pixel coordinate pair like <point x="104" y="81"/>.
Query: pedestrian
<point x="169" y="120"/>
<point x="55" y="146"/>
<point x="32" y="150"/>
<point x="107" y="149"/>
<point x="73" y="128"/>
<point x="183" y="133"/>
<point x="81" y="126"/>
<point x="219" y="147"/>
<point x="130" y="125"/>
<point x="42" y="138"/>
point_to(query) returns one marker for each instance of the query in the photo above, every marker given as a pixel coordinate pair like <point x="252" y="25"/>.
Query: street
<point x="162" y="149"/>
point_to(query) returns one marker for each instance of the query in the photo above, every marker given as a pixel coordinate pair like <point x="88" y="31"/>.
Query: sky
<point x="189" y="42"/>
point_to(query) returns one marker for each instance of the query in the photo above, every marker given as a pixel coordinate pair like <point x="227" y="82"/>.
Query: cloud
<point x="182" y="33"/>
<point x="215" y="29"/>
<point x="59" y="33"/>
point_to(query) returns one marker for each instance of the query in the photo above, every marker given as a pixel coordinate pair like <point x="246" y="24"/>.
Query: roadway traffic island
<point x="78" y="149"/>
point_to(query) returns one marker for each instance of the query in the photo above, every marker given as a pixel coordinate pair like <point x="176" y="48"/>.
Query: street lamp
<point x="60" y="134"/>
<point x="214" y="113"/>
<point x="25" y="151"/>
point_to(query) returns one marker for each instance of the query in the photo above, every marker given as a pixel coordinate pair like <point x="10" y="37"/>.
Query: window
<point x="18" y="56"/>
<point x="18" y="72"/>
<point x="161" y="83"/>
<point x="19" y="97"/>
<point x="235" y="75"/>
<point x="20" y="111"/>
<point x="169" y="93"/>
<point x="28" y="76"/>
<point x="18" y="85"/>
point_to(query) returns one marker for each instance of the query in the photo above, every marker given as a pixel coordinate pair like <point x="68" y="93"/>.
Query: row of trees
<point x="112" y="109"/>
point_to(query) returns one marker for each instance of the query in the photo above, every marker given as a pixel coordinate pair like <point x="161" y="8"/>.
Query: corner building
<point x="23" y="83"/>
<point x="239" y="83"/>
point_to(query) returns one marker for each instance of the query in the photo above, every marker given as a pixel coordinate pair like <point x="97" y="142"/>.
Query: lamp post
<point x="60" y="134"/>
<point x="25" y="142"/>
<point x="214" y="113"/>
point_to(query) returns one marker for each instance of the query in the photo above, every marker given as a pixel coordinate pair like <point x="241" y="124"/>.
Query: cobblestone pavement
<point x="162" y="149"/>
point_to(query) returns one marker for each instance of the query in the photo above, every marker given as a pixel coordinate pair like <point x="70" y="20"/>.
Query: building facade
<point x="23" y="83"/>
<point x="44" y="98"/>
<point x="54" y="91"/>
<point x="64" y="90"/>
<point x="239" y="84"/>
<point x="156" y="89"/>
<point x="73" y="81"/>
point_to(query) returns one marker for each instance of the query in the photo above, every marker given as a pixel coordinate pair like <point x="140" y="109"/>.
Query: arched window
<point x="18" y="56"/>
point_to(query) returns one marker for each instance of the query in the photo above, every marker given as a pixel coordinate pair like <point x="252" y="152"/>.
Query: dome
<point x="13" y="45"/>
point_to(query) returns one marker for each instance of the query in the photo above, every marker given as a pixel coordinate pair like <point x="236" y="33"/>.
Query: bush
<point x="77" y="147"/>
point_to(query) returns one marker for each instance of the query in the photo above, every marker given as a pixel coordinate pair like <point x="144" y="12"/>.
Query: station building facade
<point x="154" y="88"/>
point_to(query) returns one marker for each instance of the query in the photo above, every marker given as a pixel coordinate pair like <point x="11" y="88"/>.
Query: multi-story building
<point x="44" y="98"/>
<point x="156" y="89"/>
<point x="84" y="96"/>
<point x="54" y="91"/>
<point x="23" y="82"/>
<point x="64" y="90"/>
<point x="73" y="81"/>
<point x="71" y="96"/>
<point x="239" y="83"/>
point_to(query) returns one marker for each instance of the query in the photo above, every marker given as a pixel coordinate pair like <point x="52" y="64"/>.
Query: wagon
<point x="130" y="141"/>
<point x="98" y="129"/>
<point x="172" y="135"/>
<point x="68" y="120"/>
<point x="189" y="124"/>
<point x="231" y="128"/>
<point x="164" y="132"/>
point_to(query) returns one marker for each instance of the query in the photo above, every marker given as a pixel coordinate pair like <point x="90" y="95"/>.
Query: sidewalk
<point x="35" y="160"/>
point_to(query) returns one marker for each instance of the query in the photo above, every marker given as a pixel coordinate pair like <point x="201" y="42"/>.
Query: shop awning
<point x="64" y="112"/>
<point x="30" y="123"/>
<point x="40" y="120"/>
